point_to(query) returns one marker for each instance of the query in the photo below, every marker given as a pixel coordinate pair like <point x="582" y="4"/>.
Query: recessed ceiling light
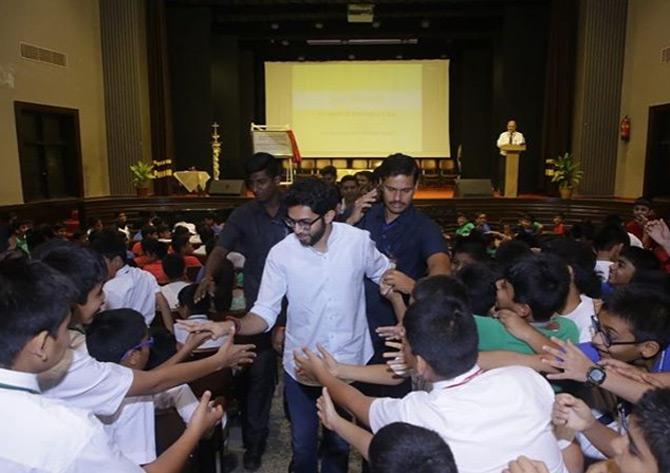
<point x="318" y="25"/>
<point x="376" y="24"/>
<point x="425" y="24"/>
<point x="285" y="42"/>
<point x="274" y="26"/>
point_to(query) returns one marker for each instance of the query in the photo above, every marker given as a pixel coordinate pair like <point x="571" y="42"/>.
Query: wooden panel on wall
<point x="600" y="59"/>
<point x="123" y="30"/>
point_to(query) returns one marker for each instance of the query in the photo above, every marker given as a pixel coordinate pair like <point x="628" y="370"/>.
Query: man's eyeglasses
<point x="607" y="339"/>
<point x="301" y="224"/>
<point x="149" y="342"/>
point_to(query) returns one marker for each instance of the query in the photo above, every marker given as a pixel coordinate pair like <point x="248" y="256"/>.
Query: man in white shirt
<point x="320" y="269"/>
<point x="488" y="418"/>
<point x="509" y="137"/>
<point x="45" y="435"/>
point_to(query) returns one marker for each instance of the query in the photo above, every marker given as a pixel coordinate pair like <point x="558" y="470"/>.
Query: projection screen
<point x="362" y="108"/>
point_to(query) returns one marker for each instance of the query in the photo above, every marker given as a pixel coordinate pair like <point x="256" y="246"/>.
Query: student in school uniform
<point x="129" y="287"/>
<point x="82" y="381"/>
<point x="41" y="434"/>
<point x="120" y="336"/>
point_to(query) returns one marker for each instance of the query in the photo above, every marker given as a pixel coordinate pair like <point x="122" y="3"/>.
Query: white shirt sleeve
<point x="113" y="299"/>
<point x="93" y="386"/>
<point x="386" y="410"/>
<point x="503" y="139"/>
<point x="272" y="290"/>
<point x="376" y="264"/>
<point x="181" y="398"/>
<point x="101" y="455"/>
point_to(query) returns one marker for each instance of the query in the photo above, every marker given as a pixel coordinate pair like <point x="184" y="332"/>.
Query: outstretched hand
<point x="234" y="355"/>
<point x="215" y="329"/>
<point x="572" y="413"/>
<point x="525" y="465"/>
<point x="205" y="416"/>
<point x="327" y="412"/>
<point x="309" y="365"/>
<point x="568" y="358"/>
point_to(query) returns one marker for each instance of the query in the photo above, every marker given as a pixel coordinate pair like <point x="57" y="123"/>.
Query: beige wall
<point x="71" y="27"/>
<point x="646" y="82"/>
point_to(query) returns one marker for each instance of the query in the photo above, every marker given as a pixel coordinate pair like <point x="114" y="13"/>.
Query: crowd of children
<point x="545" y="349"/>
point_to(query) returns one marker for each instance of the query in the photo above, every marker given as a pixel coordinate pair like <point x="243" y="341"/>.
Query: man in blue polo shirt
<point x="404" y="234"/>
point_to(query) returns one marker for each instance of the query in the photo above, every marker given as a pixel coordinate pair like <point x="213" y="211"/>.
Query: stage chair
<point x="322" y="163"/>
<point x="359" y="164"/>
<point x="307" y="166"/>
<point x="447" y="167"/>
<point x="340" y="163"/>
<point x="428" y="167"/>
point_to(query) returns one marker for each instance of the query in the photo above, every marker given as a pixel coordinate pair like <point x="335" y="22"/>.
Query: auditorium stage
<point x="439" y="203"/>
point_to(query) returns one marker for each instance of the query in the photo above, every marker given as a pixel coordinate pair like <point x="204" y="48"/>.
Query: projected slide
<point x="361" y="108"/>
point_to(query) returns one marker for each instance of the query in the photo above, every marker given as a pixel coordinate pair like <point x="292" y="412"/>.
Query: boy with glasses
<point x="120" y="336"/>
<point x="633" y="326"/>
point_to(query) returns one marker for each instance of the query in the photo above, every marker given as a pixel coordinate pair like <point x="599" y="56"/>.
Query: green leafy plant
<point x="566" y="172"/>
<point x="142" y="173"/>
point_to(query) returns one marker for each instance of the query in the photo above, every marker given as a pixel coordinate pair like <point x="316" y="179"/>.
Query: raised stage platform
<point x="438" y="203"/>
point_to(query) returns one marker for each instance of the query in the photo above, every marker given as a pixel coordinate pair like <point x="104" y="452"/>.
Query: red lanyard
<point x="466" y="380"/>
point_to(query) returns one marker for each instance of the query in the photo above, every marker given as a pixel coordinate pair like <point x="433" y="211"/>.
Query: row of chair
<point x="428" y="166"/>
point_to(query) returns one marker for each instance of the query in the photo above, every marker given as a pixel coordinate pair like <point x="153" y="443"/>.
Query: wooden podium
<point x="512" y="168"/>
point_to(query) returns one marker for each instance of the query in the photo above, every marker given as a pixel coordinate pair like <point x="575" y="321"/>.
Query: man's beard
<point x="313" y="239"/>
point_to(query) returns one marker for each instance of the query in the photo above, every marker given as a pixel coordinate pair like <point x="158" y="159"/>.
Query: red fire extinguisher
<point x="624" y="129"/>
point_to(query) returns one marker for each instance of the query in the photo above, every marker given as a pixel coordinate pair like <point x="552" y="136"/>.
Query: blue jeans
<point x="301" y="401"/>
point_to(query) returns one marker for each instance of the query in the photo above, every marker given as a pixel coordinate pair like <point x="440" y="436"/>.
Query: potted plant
<point x="142" y="173"/>
<point x="566" y="174"/>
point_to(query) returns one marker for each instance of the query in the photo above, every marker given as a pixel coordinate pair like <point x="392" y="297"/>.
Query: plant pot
<point x="142" y="191"/>
<point x="566" y="192"/>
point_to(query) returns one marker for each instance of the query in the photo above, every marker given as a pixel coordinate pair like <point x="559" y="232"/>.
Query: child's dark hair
<point x="473" y="245"/>
<point x="479" y="280"/>
<point x="312" y="193"/>
<point x="645" y="309"/>
<point x="179" y="242"/>
<point x="511" y="251"/>
<point x="148" y="230"/>
<point x="33" y="298"/>
<point x="205" y="232"/>
<point x="84" y="267"/>
<point x="186" y="299"/>
<point x="652" y="414"/>
<point x="109" y="243"/>
<point x="580" y="257"/>
<point x="609" y="236"/>
<point x="113" y="332"/>
<point x="641" y="259"/>
<point x="328" y="171"/>
<point x="440" y="327"/>
<point x="643" y="202"/>
<point x="540" y="281"/>
<point x="174" y="266"/>
<point x="400" y="447"/>
<point x="154" y="247"/>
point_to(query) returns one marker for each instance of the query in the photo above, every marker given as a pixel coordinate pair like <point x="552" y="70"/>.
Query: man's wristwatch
<point x="595" y="376"/>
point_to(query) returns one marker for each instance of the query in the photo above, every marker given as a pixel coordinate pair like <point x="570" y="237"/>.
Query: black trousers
<point x="255" y="387"/>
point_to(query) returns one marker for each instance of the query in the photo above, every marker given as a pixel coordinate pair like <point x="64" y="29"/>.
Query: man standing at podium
<point x="509" y="137"/>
